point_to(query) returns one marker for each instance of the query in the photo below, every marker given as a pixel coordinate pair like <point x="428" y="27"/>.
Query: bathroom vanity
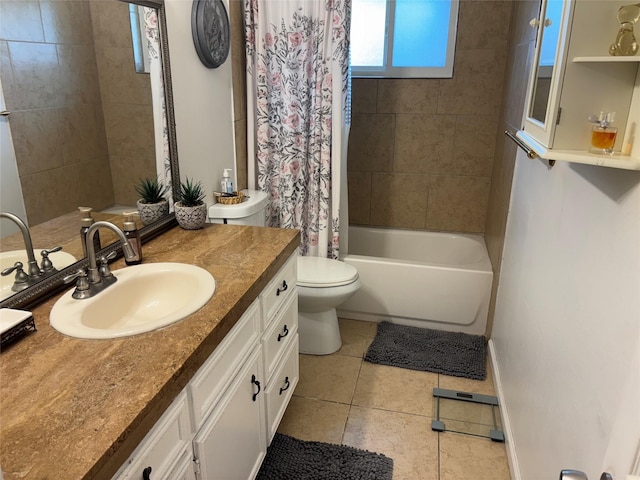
<point x="203" y="395"/>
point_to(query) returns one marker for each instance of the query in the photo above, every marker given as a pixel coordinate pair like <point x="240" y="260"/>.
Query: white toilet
<point x="323" y="284"/>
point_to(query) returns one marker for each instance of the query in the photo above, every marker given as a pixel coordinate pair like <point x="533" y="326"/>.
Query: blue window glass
<point x="403" y="38"/>
<point x="420" y="33"/>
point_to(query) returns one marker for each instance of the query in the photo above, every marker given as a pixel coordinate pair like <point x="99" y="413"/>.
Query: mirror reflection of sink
<point x="145" y="297"/>
<point x="8" y="259"/>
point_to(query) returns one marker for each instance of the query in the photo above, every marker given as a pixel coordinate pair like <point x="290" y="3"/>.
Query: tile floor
<point x="342" y="399"/>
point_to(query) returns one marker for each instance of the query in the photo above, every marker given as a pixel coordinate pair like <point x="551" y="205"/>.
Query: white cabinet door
<point x="232" y="442"/>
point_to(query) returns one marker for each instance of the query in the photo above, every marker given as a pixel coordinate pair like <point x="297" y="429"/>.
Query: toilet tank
<point x="249" y="212"/>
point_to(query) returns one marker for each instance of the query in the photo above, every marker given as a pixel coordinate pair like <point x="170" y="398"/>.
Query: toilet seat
<point x="316" y="272"/>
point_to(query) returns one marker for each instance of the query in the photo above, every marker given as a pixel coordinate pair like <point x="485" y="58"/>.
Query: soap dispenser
<point x="86" y="221"/>
<point x="226" y="183"/>
<point x="133" y="235"/>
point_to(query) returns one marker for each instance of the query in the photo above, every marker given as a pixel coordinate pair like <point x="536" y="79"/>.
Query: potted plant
<point x="191" y="211"/>
<point x="152" y="204"/>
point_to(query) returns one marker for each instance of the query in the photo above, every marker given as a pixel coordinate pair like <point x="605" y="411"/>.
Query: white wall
<point x="202" y="102"/>
<point x="567" y="324"/>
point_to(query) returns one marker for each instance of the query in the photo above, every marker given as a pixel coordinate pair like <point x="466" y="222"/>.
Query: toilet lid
<point x="324" y="272"/>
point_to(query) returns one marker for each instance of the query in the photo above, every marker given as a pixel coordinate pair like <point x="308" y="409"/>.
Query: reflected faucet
<point x="33" y="269"/>
<point x="98" y="278"/>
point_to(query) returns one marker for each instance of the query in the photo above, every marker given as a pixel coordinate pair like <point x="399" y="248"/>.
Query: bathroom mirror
<point x="546" y="73"/>
<point x="88" y="116"/>
<point x="549" y="29"/>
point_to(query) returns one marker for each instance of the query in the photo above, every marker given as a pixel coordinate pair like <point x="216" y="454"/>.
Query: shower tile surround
<point x="421" y="151"/>
<point x="58" y="93"/>
<point x="342" y="399"/>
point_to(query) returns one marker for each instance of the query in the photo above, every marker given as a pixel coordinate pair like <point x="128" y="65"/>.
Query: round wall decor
<point x="210" y="30"/>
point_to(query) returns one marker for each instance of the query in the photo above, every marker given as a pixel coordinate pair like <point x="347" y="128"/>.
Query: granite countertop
<point x="76" y="409"/>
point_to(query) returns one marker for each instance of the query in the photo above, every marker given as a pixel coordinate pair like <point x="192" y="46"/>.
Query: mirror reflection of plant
<point x="152" y="190"/>
<point x="191" y="194"/>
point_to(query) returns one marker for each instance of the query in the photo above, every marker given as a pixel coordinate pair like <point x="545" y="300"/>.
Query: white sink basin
<point x="8" y="259"/>
<point x="145" y="297"/>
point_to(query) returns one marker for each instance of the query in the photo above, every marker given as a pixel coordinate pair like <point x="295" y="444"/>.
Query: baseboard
<point x="504" y="414"/>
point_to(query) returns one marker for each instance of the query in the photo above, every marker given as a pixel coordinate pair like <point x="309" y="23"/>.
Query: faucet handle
<point x="21" y="278"/>
<point x="104" y="265"/>
<point x="82" y="284"/>
<point x="47" y="265"/>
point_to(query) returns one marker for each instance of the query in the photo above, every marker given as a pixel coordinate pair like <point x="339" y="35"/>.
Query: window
<point x="403" y="38"/>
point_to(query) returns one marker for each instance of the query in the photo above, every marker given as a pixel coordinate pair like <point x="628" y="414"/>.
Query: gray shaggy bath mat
<point x="449" y="353"/>
<point x="291" y="459"/>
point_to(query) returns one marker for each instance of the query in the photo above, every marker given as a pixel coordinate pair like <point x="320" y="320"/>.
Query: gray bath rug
<point x="449" y="353"/>
<point x="291" y="459"/>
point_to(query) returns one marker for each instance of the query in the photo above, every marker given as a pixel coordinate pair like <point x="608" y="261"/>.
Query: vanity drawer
<point x="281" y="332"/>
<point x="163" y="446"/>
<point x="281" y="387"/>
<point x="278" y="290"/>
<point x="209" y="382"/>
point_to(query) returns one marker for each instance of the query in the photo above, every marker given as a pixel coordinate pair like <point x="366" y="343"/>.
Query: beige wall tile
<point x="458" y="203"/>
<point x="476" y="88"/>
<point x="119" y="82"/>
<point x="36" y="140"/>
<point x="314" y="420"/>
<point x="240" y="127"/>
<point x="129" y="130"/>
<point x="482" y="25"/>
<point x="364" y="94"/>
<point x="35" y="70"/>
<point x="371" y="143"/>
<point x="359" y="189"/>
<point x="483" y="458"/>
<point x="6" y="75"/>
<point x="50" y="194"/>
<point x="95" y="187"/>
<point x="396" y="389"/>
<point x="424" y="143"/>
<point x="408" y="95"/>
<point x="82" y="133"/>
<point x="399" y="200"/>
<point x="518" y="69"/>
<point x="331" y="377"/>
<point x="474" y="145"/>
<point x="79" y="74"/>
<point x="111" y="26"/>
<point x="523" y="12"/>
<point x="66" y="21"/>
<point x="126" y="173"/>
<point x="21" y="21"/>
<point x="407" y="439"/>
<point x="238" y="59"/>
<point x="502" y="174"/>
<point x="495" y="229"/>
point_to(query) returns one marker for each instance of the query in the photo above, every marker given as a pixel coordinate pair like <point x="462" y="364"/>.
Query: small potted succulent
<point x="191" y="211"/>
<point x="152" y="204"/>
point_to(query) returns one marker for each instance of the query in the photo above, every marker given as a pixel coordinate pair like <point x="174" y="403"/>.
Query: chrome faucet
<point x="98" y="278"/>
<point x="33" y="269"/>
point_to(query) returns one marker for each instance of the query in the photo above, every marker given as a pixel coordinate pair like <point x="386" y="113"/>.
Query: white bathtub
<point x="424" y="279"/>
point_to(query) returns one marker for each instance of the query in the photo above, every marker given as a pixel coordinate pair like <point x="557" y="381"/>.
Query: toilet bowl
<point x="323" y="284"/>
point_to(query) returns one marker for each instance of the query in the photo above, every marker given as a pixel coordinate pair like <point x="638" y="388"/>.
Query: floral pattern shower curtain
<point x="297" y="83"/>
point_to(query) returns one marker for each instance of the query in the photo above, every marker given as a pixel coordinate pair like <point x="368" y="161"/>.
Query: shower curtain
<point x="298" y="111"/>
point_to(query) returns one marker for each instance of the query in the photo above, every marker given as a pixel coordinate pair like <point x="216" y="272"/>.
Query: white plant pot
<point x="151" y="212"/>
<point x="191" y="218"/>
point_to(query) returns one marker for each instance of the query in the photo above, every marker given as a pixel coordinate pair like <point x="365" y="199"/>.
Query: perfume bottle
<point x="603" y="135"/>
